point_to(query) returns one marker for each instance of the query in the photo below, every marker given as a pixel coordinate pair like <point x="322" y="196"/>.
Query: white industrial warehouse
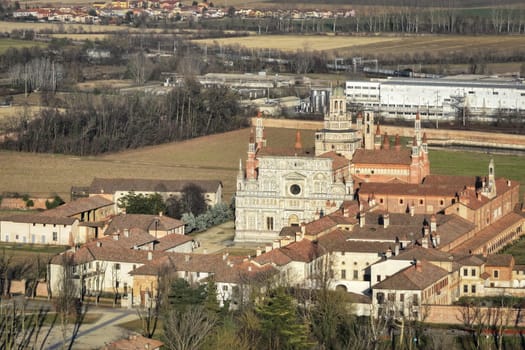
<point x="481" y="97"/>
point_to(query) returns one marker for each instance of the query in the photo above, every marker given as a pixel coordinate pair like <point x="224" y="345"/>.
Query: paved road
<point x="94" y="336"/>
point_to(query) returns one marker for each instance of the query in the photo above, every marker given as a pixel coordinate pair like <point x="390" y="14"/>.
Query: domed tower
<point x="337" y="134"/>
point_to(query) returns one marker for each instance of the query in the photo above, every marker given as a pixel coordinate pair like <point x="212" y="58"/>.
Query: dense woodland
<point x="93" y="124"/>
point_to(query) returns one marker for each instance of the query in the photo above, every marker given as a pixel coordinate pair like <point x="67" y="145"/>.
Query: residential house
<point x="104" y="265"/>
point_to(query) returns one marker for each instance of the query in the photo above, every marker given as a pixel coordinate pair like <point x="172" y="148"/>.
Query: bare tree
<point x="187" y="329"/>
<point x="66" y="301"/>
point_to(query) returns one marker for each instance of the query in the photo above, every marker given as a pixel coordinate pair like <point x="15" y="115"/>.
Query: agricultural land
<point x="45" y="174"/>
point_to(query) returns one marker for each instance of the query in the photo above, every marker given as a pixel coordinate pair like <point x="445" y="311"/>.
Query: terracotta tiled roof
<point x="382" y="156"/>
<point x="488" y="233"/>
<point x="145" y="222"/>
<point x="506" y="260"/>
<point x="134" y="342"/>
<point x="286" y="152"/>
<point x="303" y="251"/>
<point x="171" y="241"/>
<point x="419" y="253"/>
<point x="406" y="189"/>
<point x="471" y="260"/>
<point x="274" y="256"/>
<point x="454" y="181"/>
<point x="519" y="268"/>
<point x="359" y="298"/>
<point x="79" y="206"/>
<point x="336" y="241"/>
<point x="412" y="278"/>
<point x="101" y="185"/>
<point x="244" y="272"/>
<point x="40" y="219"/>
<point x="339" y="161"/>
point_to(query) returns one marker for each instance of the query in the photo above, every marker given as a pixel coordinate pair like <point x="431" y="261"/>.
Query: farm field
<point x="45" y="174"/>
<point x="69" y="27"/>
<point x="374" y="45"/>
<point x="18" y="44"/>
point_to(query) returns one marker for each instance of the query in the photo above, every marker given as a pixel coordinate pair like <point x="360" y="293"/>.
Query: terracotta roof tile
<point x="500" y="260"/>
<point x="79" y="206"/>
<point x="134" y="342"/>
<point x="489" y="232"/>
<point x="412" y="278"/>
<point x="339" y="161"/>
<point x="145" y="222"/>
<point x="40" y="219"/>
<point x="382" y="156"/>
<point x="171" y="241"/>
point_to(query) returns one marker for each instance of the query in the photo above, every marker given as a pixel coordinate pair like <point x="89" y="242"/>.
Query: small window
<point x="378" y="278"/>
<point x="496" y="273"/>
<point x="391" y="296"/>
<point x="225" y="288"/>
<point x="465" y="288"/>
<point x="381" y="200"/>
<point x="356" y="274"/>
<point x="343" y="274"/>
<point x="473" y="288"/>
<point x="473" y="272"/>
<point x="55" y="236"/>
<point x="402" y="297"/>
<point x="401" y="201"/>
<point x="421" y="202"/>
<point x="465" y="272"/>
<point x="441" y="202"/>
<point x="117" y="266"/>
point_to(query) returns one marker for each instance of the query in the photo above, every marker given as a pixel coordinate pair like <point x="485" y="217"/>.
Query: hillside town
<point x="112" y="12"/>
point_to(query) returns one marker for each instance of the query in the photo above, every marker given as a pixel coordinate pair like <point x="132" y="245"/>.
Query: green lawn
<point x="477" y="163"/>
<point x="18" y="44"/>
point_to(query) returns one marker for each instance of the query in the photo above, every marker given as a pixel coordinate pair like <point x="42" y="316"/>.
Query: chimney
<point x="99" y="244"/>
<point x="298" y="144"/>
<point x="386" y="142"/>
<point x="303" y="228"/>
<point x="412" y="209"/>
<point x="362" y="219"/>
<point x="426" y="230"/>
<point x="386" y="220"/>
<point x="268" y="248"/>
<point x="388" y="253"/>
<point x="433" y="223"/>
<point x="187" y="258"/>
<point x="250" y="268"/>
<point x="397" y="144"/>
<point x="424" y="242"/>
<point x="150" y="255"/>
<point x="396" y="249"/>
<point x="126" y="232"/>
<point x="275" y="244"/>
<point x="298" y="236"/>
<point x="224" y="256"/>
<point x="160" y="213"/>
<point x="418" y="266"/>
<point x="509" y="183"/>
<point x="115" y="237"/>
<point x="438" y="239"/>
<point x="258" y="251"/>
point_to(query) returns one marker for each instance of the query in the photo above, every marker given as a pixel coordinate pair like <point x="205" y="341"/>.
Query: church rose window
<point x="295" y="189"/>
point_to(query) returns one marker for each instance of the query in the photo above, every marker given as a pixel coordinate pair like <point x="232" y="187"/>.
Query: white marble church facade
<point x="279" y="188"/>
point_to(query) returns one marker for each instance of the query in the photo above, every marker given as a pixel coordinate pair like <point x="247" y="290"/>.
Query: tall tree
<point x="281" y="328"/>
<point x="152" y="204"/>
